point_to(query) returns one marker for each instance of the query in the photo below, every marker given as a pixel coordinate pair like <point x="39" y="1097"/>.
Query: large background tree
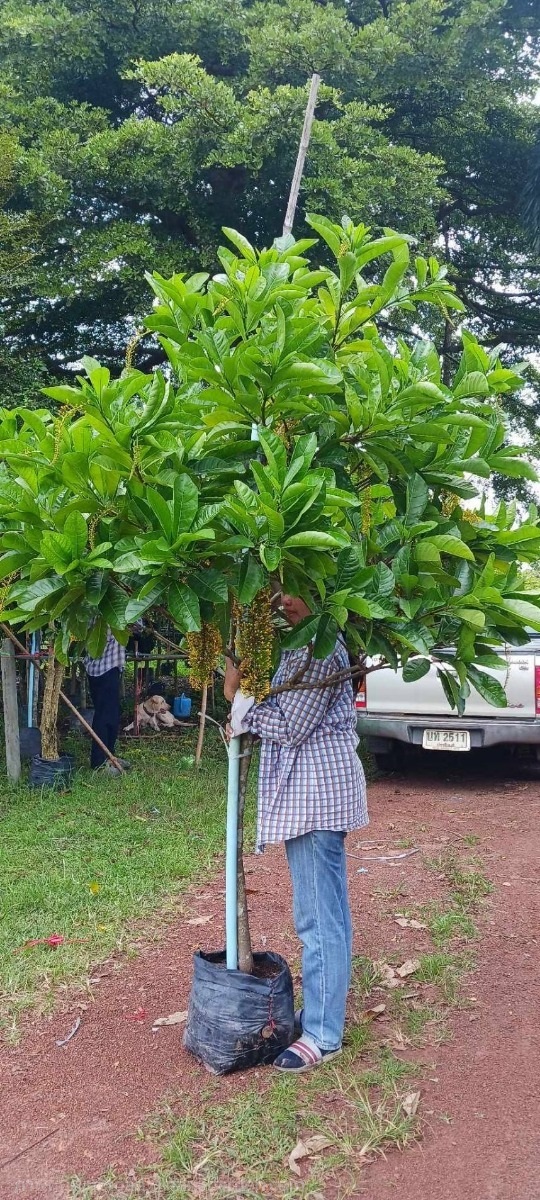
<point x="140" y="128"/>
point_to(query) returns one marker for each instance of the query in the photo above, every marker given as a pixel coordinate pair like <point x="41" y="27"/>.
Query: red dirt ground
<point x="482" y="1101"/>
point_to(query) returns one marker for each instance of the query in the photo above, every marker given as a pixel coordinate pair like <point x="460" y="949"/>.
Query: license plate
<point x="446" y="739"/>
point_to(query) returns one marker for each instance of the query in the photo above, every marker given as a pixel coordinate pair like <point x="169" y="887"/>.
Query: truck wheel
<point x="390" y="761"/>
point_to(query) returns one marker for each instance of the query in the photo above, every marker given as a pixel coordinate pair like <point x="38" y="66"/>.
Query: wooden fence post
<point x="11" y="713"/>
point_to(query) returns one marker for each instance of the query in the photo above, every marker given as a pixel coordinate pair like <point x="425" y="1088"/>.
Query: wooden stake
<point x="11" y="713"/>
<point x="302" y="151"/>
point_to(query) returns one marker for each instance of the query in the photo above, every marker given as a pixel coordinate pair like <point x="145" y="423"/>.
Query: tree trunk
<point x="202" y="723"/>
<point x="49" y="711"/>
<point x="245" y="954"/>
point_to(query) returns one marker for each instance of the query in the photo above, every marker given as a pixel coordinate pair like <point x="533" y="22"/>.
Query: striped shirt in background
<point x="114" y="655"/>
<point x="310" y="776"/>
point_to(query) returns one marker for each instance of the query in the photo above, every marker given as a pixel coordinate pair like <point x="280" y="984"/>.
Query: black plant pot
<point x="237" y="1020"/>
<point x="52" y="773"/>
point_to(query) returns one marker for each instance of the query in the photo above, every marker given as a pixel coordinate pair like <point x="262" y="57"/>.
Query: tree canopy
<point x="146" y="489"/>
<point x="137" y="129"/>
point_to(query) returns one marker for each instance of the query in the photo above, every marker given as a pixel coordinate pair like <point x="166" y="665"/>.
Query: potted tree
<point x="356" y="496"/>
<point x="360" y="492"/>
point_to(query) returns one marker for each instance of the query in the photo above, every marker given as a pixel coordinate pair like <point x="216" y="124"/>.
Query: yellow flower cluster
<point x="59" y="423"/>
<point x="470" y="516"/>
<point x="449" y="502"/>
<point x="254" y="644"/>
<point x="5" y="587"/>
<point x="366" y="510"/>
<point x="204" y="649"/>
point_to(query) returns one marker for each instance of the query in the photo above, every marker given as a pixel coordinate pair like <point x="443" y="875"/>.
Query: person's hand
<point x="228" y="728"/>
<point x="232" y="680"/>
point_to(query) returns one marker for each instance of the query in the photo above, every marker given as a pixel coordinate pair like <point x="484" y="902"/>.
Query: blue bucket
<point x="182" y="706"/>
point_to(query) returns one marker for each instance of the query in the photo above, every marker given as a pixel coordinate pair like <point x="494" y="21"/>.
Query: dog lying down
<point x="154" y="713"/>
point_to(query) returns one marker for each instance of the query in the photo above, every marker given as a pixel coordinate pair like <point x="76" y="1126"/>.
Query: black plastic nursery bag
<point x="237" y="1020"/>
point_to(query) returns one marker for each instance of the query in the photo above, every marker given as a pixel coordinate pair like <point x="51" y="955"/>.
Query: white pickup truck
<point x="393" y="715"/>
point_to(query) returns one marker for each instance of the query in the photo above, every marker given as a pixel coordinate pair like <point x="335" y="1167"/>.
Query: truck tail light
<point x="361" y="695"/>
<point x="537" y="687"/>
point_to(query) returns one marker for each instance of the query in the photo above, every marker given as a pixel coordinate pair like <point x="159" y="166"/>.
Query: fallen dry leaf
<point x="409" y="922"/>
<point x="176" y="1018"/>
<point x="200" y="920"/>
<point x="410" y="1103"/>
<point x="387" y="975"/>
<point x="398" y="1042"/>
<point x="306" y="1148"/>
<point x="370" y="1014"/>
<point x="408" y="967"/>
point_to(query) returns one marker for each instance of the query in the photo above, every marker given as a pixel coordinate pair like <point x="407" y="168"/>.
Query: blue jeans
<point x="317" y="865"/>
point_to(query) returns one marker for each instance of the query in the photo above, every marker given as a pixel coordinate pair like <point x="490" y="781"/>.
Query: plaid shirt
<point x="310" y="776"/>
<point x="114" y="655"/>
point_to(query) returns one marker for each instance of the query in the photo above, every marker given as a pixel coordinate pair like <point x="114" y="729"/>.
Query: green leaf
<point x="495" y="661"/>
<point x="241" y="243"/>
<point x="275" y="454"/>
<point x="490" y="689"/>
<point x="76" y="530"/>
<point x="12" y="561"/>
<point x="314" y="540"/>
<point x="56" y="549"/>
<point x="416" y="668"/>
<point x="301" y="634"/>
<point x="251" y="578"/>
<point x="383" y="582"/>
<point x="472" y="616"/>
<point x="417" y="498"/>
<point x="358" y="605"/>
<point x="73" y="596"/>
<point x="209" y="585"/>
<point x="516" y="468"/>
<point x="97" y="637"/>
<point x="161" y="510"/>
<point x="450" y="687"/>
<point x="149" y="595"/>
<point x="113" y="606"/>
<point x="184" y="608"/>
<point x="446" y="544"/>
<point x="526" y="612"/>
<point x="270" y="557"/>
<point x="185" y="504"/>
<point x="326" y="636"/>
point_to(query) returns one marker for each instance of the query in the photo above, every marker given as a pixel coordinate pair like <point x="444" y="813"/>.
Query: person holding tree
<point x="312" y="792"/>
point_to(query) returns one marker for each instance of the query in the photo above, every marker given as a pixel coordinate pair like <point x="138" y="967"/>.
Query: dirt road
<point x="481" y="1103"/>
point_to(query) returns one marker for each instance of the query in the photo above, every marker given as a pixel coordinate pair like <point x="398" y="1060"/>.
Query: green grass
<point x="426" y="1020"/>
<point x="444" y="970"/>
<point x="241" y="1147"/>
<point x="89" y="864"/>
<point x="444" y="927"/>
<point x="468" y="885"/>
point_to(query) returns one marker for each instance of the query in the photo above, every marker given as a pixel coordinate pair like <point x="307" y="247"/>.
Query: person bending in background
<point x="104" y="675"/>
<point x="311" y="792"/>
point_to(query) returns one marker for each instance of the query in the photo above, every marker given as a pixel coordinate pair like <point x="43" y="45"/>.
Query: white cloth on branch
<point x="240" y="708"/>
